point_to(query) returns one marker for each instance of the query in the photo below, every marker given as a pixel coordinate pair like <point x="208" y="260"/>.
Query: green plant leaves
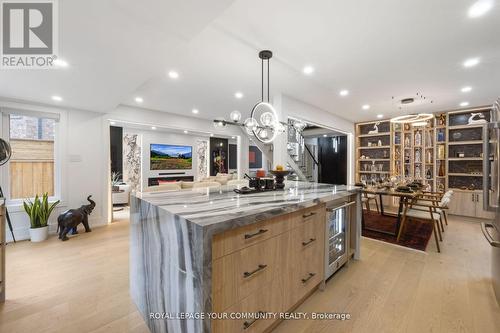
<point x="39" y="210"/>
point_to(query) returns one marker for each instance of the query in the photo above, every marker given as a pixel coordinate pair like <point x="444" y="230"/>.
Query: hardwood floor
<point x="82" y="286"/>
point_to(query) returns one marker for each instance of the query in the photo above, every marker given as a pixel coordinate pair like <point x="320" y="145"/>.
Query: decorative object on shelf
<point x="456" y="135"/>
<point x="428" y="173"/>
<point x="407" y="141"/>
<point x="39" y="211"/>
<point x="440" y="136"/>
<point x="369" y="144"/>
<point x="417" y="172"/>
<point x="429" y="156"/>
<point x="442" y="120"/>
<point x="379" y="143"/>
<point x="418" y="138"/>
<point x="71" y="218"/>
<point x="441" y="154"/>
<point x="375" y="128"/>
<point x="417" y="156"/>
<point x="385" y="154"/>
<point x="441" y="169"/>
<point x="460" y="155"/>
<point x="476" y="118"/>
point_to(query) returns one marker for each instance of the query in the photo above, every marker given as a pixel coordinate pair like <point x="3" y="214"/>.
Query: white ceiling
<point x="118" y="50"/>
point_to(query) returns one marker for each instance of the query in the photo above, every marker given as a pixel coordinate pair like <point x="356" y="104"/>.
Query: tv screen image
<point x="169" y="157"/>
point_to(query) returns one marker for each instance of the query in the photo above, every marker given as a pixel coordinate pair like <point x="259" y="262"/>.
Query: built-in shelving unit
<point x="465" y="150"/>
<point x="373" y="156"/>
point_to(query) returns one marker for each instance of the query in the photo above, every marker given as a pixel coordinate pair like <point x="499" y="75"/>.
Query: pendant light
<point x="263" y="122"/>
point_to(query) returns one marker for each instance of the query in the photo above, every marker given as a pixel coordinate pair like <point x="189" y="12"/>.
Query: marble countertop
<point x="209" y="207"/>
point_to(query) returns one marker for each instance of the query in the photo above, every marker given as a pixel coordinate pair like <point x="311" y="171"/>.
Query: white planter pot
<point x="39" y="234"/>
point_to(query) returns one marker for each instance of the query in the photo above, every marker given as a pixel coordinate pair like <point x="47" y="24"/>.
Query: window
<point x="32" y="161"/>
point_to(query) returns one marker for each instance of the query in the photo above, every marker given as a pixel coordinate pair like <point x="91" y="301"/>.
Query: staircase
<point x="301" y="159"/>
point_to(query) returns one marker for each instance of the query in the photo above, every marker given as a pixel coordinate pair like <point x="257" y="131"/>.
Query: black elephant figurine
<point x="71" y="218"/>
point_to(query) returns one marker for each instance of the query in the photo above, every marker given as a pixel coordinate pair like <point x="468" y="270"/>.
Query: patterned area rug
<point x="416" y="234"/>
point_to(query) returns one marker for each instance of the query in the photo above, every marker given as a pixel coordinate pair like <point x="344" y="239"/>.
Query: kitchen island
<point x="195" y="254"/>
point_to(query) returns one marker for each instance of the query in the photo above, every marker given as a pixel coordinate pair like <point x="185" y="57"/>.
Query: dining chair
<point x="424" y="209"/>
<point x="366" y="201"/>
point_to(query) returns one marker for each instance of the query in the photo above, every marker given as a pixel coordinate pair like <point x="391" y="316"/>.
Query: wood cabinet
<point x="468" y="203"/>
<point x="271" y="273"/>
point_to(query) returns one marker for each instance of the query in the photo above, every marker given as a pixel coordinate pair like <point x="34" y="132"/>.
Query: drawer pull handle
<point x="305" y="216"/>
<point x="308" y="242"/>
<point x="260" y="232"/>
<point x="308" y="278"/>
<point x="247" y="324"/>
<point x="258" y="269"/>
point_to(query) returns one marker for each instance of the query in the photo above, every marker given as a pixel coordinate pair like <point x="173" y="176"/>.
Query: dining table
<point x="392" y="192"/>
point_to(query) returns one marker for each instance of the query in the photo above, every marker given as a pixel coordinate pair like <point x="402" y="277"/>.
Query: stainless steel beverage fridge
<point x="338" y="230"/>
<point x="491" y="191"/>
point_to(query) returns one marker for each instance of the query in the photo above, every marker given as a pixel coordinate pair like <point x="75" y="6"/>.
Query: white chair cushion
<point x="421" y="214"/>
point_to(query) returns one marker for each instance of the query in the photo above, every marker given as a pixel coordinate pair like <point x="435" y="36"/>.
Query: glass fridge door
<point x="337" y="234"/>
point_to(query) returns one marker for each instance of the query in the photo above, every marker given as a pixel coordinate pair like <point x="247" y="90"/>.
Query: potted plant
<point x="115" y="180"/>
<point x="39" y="211"/>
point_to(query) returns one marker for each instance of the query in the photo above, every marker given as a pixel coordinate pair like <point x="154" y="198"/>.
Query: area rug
<point x="416" y="234"/>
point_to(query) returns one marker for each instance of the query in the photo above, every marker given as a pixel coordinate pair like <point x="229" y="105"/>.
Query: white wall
<point x="81" y="143"/>
<point x="287" y="106"/>
<point x="164" y="137"/>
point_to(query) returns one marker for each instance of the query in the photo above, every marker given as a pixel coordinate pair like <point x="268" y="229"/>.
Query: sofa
<point x="221" y="179"/>
<point x="122" y="196"/>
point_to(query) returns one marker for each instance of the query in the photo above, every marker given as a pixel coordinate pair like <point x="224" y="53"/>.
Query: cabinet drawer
<point x="234" y="240"/>
<point x="308" y="215"/>
<point x="244" y="272"/>
<point x="306" y="261"/>
<point x="266" y="300"/>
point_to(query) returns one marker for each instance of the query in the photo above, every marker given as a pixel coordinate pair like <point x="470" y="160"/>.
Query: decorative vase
<point x="280" y="178"/>
<point x="39" y="234"/>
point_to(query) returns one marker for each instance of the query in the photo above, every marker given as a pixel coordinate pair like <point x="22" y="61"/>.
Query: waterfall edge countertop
<point x="171" y="243"/>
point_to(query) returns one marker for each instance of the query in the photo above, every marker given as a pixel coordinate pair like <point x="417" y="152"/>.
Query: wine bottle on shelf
<point x="428" y="173"/>
<point x="441" y="169"/>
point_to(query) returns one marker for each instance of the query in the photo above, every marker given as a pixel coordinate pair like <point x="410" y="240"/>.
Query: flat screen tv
<point x="170" y="157"/>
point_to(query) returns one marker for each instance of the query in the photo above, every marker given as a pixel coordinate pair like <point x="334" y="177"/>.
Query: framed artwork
<point x="254" y="157"/>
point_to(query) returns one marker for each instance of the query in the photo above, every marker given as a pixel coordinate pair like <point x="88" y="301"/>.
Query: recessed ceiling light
<point x="479" y="8"/>
<point x="464" y="103"/>
<point x="185" y="132"/>
<point x="238" y="94"/>
<point x="211" y="134"/>
<point x="233" y="137"/>
<point x="380" y="116"/>
<point x="344" y="92"/>
<point x="366" y="107"/>
<point x="60" y="63"/>
<point x="324" y="135"/>
<point x="471" y="62"/>
<point x="153" y="127"/>
<point x="308" y="70"/>
<point x="112" y="122"/>
<point x="466" y="89"/>
<point x="139" y="99"/>
<point x="57" y="98"/>
<point x="173" y="74"/>
<point x="195" y="111"/>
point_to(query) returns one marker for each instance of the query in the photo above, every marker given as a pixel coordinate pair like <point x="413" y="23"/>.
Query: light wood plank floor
<point x="82" y="286"/>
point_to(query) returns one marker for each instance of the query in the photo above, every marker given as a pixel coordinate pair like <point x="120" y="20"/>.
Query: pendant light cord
<point x="262" y="80"/>
<point x="268" y="80"/>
